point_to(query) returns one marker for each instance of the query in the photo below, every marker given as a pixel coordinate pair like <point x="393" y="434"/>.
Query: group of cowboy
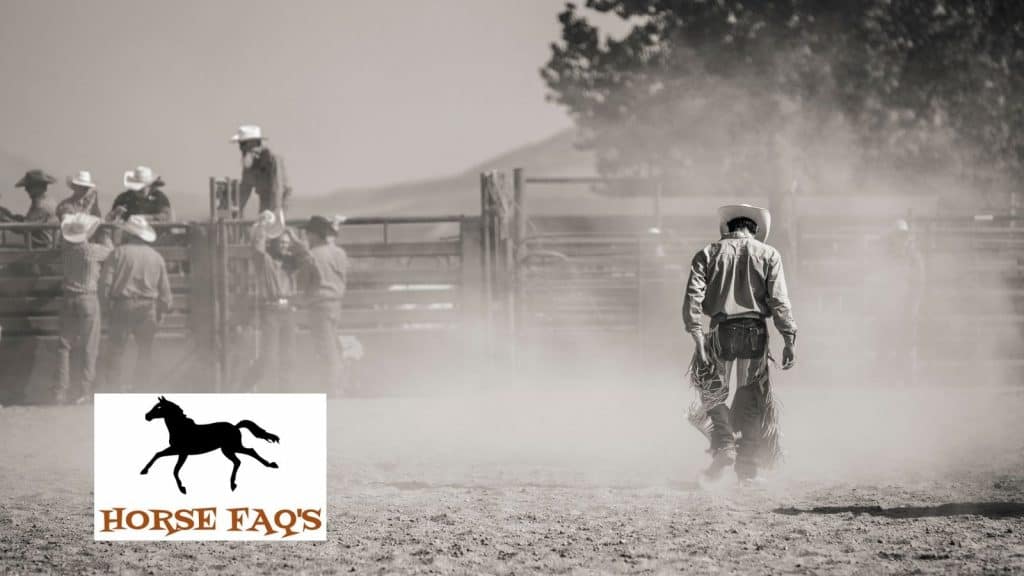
<point x="263" y="174"/>
<point x="126" y="287"/>
<point x="142" y="196"/>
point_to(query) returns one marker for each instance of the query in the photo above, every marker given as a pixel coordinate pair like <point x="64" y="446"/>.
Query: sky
<point x="353" y="93"/>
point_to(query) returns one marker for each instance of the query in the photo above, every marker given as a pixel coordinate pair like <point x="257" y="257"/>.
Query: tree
<point x="719" y="84"/>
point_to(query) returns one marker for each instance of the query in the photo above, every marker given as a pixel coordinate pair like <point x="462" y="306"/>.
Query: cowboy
<point x="738" y="282"/>
<point x="137" y="292"/>
<point x="322" y="278"/>
<point x="84" y="198"/>
<point x="143" y="196"/>
<point x="80" y="309"/>
<point x="263" y="172"/>
<point x="277" y="256"/>
<point x="36" y="183"/>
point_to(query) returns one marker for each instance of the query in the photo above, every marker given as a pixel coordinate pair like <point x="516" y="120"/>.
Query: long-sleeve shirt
<point x="324" y="273"/>
<point x="154" y="205"/>
<point x="82" y="265"/>
<point x="40" y="212"/>
<point x="268" y="178"/>
<point x="136" y="271"/>
<point x="738" y="276"/>
<point x="276" y="275"/>
<point x="87" y="202"/>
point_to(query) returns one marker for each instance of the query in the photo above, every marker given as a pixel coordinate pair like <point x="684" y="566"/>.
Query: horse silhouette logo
<point x="188" y="439"/>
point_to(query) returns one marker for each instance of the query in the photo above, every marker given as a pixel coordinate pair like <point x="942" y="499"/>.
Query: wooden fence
<point x="411" y="280"/>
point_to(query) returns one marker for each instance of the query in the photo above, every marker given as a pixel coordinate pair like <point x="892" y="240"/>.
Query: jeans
<point x="745" y="416"/>
<point x="79" y="337"/>
<point x="277" y="338"/>
<point x="132" y="318"/>
<point x="741" y="347"/>
<point x="324" y="318"/>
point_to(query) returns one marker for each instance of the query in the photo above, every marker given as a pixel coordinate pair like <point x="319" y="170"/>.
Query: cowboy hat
<point x="138" y="226"/>
<point x="248" y="132"/>
<point x="35" y="176"/>
<point x="78" y="227"/>
<point x="760" y="216"/>
<point x="321" y="226"/>
<point x="81" y="180"/>
<point x="139" y="178"/>
<point x="273" y="225"/>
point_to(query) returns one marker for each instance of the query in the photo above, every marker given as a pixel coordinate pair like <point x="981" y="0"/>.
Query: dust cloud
<point x="868" y="401"/>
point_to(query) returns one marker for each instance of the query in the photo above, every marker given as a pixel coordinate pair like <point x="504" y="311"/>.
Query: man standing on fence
<point x="80" y="309"/>
<point x="737" y="282"/>
<point x="277" y="257"/>
<point x="138" y="292"/>
<point x="322" y="278"/>
<point x="263" y="172"/>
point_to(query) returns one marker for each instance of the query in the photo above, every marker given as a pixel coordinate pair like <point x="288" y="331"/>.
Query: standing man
<point x="84" y="198"/>
<point x="277" y="257"/>
<point x="142" y="196"/>
<point x="80" y="310"/>
<point x="137" y="291"/>
<point x="42" y="210"/>
<point x="322" y="278"/>
<point x="263" y="172"/>
<point x="737" y="282"/>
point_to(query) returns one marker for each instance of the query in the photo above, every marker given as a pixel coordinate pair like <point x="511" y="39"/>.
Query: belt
<point x="277" y="303"/>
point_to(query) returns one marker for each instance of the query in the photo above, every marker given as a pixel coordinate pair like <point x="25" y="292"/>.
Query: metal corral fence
<point x="609" y="283"/>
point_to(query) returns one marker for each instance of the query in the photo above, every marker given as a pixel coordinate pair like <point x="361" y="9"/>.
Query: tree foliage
<point x="691" y="79"/>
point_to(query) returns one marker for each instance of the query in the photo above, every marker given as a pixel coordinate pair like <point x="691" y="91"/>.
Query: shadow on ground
<point x="987" y="509"/>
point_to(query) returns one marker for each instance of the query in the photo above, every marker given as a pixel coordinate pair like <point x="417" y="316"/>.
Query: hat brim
<point x="34" y="179"/>
<point x="80" y="184"/>
<point x="236" y="138"/>
<point x="80" y="236"/>
<point x="147" y="235"/>
<point x="761" y="216"/>
<point x="136" y="185"/>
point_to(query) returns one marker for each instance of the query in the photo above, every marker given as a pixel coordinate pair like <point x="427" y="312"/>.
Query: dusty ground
<point x="582" y="482"/>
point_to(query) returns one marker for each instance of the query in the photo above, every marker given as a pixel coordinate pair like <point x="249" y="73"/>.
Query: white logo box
<point x="291" y="497"/>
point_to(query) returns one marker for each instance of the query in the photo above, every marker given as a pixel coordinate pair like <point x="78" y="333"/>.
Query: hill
<point x="456" y="194"/>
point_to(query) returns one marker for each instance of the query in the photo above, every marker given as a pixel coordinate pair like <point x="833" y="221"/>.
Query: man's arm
<point x="164" y="212"/>
<point x="693" y="300"/>
<point x="782" y="310"/>
<point x="276" y="173"/>
<point x="164" y="299"/>
<point x="245" y="187"/>
<point x="106" y="280"/>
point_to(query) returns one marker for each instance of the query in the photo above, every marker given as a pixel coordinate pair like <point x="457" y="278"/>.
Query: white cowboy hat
<point x="139" y="178"/>
<point x="78" y="227"/>
<point x="138" y="226"/>
<point x="760" y="216"/>
<point x="83" y="180"/>
<point x="273" y="224"/>
<point x="248" y="132"/>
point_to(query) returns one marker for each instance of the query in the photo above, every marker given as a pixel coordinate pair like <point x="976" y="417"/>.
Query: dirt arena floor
<point x="582" y="480"/>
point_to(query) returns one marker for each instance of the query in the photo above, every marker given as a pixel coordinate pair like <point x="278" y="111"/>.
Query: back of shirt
<point x="325" y="273"/>
<point x="738" y="276"/>
<point x="137" y="271"/>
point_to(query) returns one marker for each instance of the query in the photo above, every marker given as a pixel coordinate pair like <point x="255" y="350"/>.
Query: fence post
<point x="486" y="263"/>
<point x="516" y="308"/>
